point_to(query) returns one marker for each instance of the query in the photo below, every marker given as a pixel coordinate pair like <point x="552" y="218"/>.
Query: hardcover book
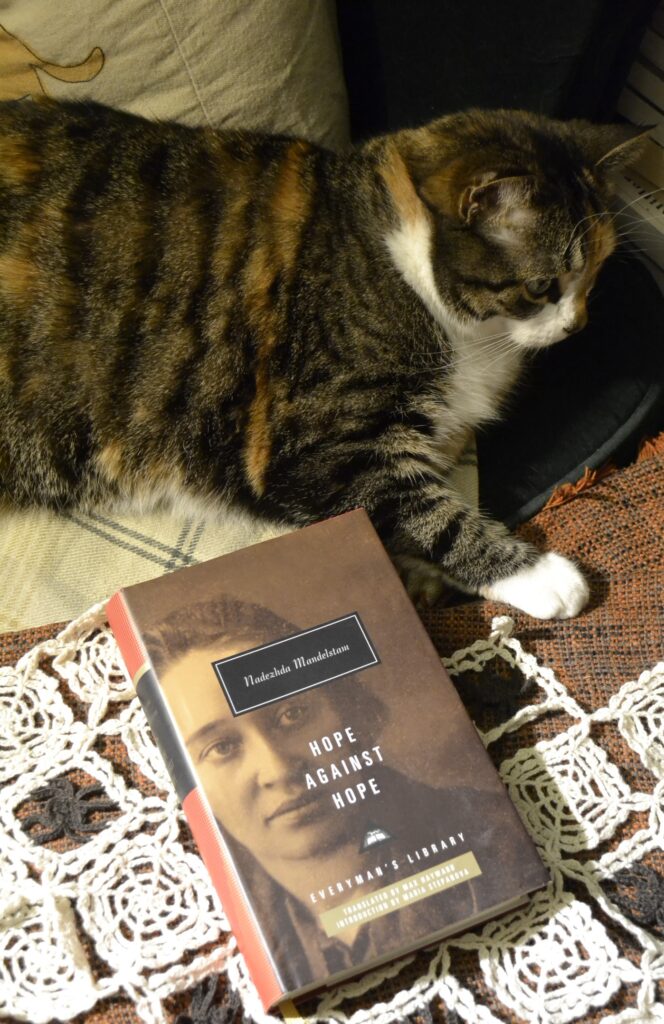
<point x="339" y="794"/>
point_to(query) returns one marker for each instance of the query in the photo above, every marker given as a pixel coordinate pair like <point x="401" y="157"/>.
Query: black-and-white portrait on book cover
<point x="326" y="796"/>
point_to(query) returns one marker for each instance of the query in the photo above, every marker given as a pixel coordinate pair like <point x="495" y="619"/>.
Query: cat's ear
<point x="450" y="183"/>
<point x="611" y="146"/>
<point x="503" y="202"/>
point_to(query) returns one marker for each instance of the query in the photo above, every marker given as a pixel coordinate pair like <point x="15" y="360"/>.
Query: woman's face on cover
<point x="253" y="766"/>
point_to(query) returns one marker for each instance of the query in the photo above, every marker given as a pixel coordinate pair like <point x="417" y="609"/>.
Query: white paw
<point x="552" y="588"/>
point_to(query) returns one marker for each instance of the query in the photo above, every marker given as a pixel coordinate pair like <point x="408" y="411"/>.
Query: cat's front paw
<point x="552" y="588"/>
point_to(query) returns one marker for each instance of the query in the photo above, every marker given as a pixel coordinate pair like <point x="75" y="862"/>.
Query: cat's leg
<point x="551" y="588"/>
<point x="427" y="582"/>
<point x="422" y="516"/>
<point x="418" y="513"/>
<point x="424" y="581"/>
<point x="481" y="556"/>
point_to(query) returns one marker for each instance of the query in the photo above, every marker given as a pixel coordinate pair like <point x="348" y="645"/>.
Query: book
<point x="340" y="796"/>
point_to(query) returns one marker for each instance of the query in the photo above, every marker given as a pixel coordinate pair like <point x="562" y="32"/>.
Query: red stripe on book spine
<point x="233" y="898"/>
<point x="131" y="648"/>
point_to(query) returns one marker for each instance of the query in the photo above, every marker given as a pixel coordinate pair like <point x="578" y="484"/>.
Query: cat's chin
<point x="528" y="334"/>
<point x="552" y="324"/>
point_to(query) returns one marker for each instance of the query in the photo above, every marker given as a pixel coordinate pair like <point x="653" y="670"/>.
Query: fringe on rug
<point x="648" y="449"/>
<point x="566" y="492"/>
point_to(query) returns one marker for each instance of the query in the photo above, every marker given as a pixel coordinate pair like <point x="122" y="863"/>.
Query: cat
<point x="251" y="321"/>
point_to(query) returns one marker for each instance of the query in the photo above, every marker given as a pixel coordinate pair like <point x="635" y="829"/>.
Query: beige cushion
<point x="270" y="64"/>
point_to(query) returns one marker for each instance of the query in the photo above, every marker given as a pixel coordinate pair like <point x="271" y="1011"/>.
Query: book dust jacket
<point x="338" y="792"/>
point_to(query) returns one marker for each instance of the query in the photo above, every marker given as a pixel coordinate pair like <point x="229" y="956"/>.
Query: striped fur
<point x="252" y="321"/>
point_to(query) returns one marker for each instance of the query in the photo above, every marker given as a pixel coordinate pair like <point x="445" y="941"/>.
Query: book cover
<point x="339" y="794"/>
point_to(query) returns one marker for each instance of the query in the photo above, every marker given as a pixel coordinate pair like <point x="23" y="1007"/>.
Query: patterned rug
<point x="107" y="913"/>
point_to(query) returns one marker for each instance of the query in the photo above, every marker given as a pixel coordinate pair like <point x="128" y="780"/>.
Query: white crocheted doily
<point x="128" y="895"/>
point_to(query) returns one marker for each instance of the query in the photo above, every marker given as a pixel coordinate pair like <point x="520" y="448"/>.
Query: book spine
<point x="204" y="828"/>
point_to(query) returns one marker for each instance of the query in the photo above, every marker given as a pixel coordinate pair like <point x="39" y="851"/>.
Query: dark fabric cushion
<point x="406" y="63"/>
<point x="585" y="401"/>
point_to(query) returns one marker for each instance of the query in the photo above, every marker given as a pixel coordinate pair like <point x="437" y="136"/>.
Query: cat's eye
<point x="539" y="286"/>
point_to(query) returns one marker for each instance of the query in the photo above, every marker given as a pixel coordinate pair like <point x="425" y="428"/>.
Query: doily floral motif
<point x="571" y="794"/>
<point x="640" y="707"/>
<point x="43" y="964"/>
<point x="149" y="905"/>
<point x="96" y="865"/>
<point x="559" y="971"/>
<point x="35" y="721"/>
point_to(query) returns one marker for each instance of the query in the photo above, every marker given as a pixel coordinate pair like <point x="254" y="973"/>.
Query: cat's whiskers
<point x="494" y="356"/>
<point x="498" y="357"/>
<point x="499" y="343"/>
<point x="611" y="214"/>
<point x="594" y="218"/>
<point x="582" y="220"/>
<point x="631" y="219"/>
<point x="639" y="227"/>
<point x="627" y="229"/>
<point x="638" y="199"/>
<point x="626" y="256"/>
<point x="631" y="242"/>
<point x="499" y="349"/>
<point x="620" y="213"/>
<point x="632" y="234"/>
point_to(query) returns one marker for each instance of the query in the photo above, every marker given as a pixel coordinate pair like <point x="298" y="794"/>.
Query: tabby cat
<point x="255" y="322"/>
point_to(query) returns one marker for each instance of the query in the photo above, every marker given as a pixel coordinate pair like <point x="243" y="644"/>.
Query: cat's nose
<point x="578" y="323"/>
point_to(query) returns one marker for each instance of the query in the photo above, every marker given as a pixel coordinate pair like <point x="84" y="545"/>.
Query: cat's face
<point x="518" y="211"/>
<point x="540" y="246"/>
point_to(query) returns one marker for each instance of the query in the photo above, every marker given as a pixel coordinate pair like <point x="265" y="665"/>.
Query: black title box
<point x="284" y="667"/>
